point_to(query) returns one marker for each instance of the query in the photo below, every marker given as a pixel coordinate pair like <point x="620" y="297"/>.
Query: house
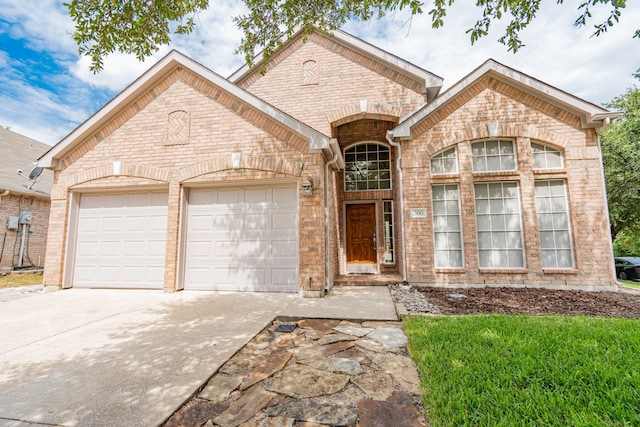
<point x="24" y="202"/>
<point x="342" y="160"/>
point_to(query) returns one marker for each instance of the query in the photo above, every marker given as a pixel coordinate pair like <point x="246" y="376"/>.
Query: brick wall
<point x="218" y="125"/>
<point x="344" y="78"/>
<point x="522" y="119"/>
<point x="10" y="240"/>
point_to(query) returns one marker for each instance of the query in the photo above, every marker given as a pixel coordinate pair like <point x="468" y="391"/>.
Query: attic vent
<point x="178" y="128"/>
<point x="310" y="73"/>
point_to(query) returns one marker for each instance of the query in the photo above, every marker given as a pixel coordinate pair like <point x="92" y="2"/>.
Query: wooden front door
<point x="361" y="236"/>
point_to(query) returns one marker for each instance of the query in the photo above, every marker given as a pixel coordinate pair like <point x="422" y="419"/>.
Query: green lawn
<point x="498" y="370"/>
<point x="630" y="283"/>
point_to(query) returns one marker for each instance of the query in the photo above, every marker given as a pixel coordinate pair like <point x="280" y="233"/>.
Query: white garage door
<point x="242" y="239"/>
<point x="121" y="240"/>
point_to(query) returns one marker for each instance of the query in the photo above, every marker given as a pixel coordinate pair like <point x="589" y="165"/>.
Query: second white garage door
<point x="242" y="239"/>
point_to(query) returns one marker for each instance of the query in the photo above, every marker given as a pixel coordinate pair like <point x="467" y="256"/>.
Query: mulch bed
<point x="533" y="301"/>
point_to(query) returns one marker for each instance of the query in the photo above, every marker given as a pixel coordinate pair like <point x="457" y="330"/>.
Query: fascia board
<point x="166" y="65"/>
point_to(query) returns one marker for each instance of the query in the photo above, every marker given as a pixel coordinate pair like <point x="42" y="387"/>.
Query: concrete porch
<point x="368" y="279"/>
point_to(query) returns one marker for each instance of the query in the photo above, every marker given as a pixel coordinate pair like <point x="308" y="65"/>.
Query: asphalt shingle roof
<point x="19" y="152"/>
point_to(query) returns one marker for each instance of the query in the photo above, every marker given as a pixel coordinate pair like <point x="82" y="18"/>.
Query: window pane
<point x="515" y="259"/>
<point x="452" y="207"/>
<point x="479" y="164"/>
<point x="508" y="163"/>
<point x="483" y="222"/>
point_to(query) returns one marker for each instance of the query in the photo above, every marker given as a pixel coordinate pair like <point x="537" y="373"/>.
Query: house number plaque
<point x="418" y="213"/>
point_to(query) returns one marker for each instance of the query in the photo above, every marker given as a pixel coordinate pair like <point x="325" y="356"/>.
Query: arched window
<point x="445" y="162"/>
<point x="367" y="167"/>
<point x="545" y="157"/>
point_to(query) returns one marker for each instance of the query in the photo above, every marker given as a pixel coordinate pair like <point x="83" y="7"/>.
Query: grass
<point x="498" y="370"/>
<point x="12" y="280"/>
<point x="630" y="283"/>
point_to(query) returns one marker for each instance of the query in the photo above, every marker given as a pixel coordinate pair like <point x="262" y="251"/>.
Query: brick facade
<point x="183" y="131"/>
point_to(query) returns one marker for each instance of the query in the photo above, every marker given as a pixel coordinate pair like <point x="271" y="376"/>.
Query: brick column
<point x="173" y="230"/>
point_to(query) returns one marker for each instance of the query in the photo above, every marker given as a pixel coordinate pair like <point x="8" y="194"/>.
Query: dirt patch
<point x="518" y="301"/>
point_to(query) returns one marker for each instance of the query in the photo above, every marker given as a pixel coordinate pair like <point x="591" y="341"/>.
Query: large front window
<point x="447" y="231"/>
<point x="553" y="222"/>
<point x="499" y="225"/>
<point x="367" y="167"/>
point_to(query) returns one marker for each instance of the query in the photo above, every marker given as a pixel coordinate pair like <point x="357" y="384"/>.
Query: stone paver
<point x="295" y="380"/>
<point x="395" y="411"/>
<point x="333" y="414"/>
<point x="253" y="400"/>
<point x="402" y="369"/>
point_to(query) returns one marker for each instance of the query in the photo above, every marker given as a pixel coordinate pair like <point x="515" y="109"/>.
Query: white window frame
<point x="492" y="215"/>
<point x="544" y="154"/>
<point x="447" y="224"/>
<point x="484" y="157"/>
<point x="441" y="158"/>
<point x="365" y="172"/>
<point x="556" y="222"/>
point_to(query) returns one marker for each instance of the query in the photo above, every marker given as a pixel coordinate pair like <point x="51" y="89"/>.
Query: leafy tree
<point x="621" y="157"/>
<point x="627" y="244"/>
<point x="140" y="27"/>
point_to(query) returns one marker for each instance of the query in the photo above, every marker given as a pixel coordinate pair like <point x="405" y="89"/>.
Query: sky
<point x="47" y="89"/>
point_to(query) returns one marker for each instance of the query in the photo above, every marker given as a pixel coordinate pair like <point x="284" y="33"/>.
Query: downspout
<point x="389" y="137"/>
<point x="4" y="239"/>
<point x="327" y="269"/>
<point x="605" y="124"/>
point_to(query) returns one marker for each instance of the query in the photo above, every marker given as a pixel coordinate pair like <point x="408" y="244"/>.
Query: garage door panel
<point x="228" y="196"/>
<point x="250" y="236"/>
<point x="121" y="240"/>
<point x="284" y="248"/>
<point x="288" y="195"/>
<point x="257" y="195"/>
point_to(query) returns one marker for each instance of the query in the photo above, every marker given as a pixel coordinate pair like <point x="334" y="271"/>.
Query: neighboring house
<point x="24" y="202"/>
<point x="342" y="159"/>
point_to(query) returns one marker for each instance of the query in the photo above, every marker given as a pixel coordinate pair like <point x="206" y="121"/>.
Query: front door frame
<point x="362" y="268"/>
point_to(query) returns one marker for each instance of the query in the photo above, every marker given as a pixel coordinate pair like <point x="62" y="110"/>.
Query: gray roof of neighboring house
<point x="20" y="152"/>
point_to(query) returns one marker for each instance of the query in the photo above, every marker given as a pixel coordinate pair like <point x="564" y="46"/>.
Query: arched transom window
<point x="367" y="167"/>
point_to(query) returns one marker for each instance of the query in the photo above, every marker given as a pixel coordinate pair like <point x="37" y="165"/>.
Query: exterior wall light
<point x="307" y="187"/>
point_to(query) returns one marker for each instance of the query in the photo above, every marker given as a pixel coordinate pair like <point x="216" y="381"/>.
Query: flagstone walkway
<point x="323" y="373"/>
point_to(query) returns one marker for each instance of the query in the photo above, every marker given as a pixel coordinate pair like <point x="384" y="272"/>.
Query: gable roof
<point x="430" y="82"/>
<point x="172" y="61"/>
<point x="20" y="152"/>
<point x="591" y="115"/>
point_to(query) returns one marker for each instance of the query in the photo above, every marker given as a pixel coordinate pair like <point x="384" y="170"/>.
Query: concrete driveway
<point x="131" y="358"/>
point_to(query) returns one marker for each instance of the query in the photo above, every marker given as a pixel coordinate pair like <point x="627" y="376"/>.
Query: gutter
<point x="389" y="137"/>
